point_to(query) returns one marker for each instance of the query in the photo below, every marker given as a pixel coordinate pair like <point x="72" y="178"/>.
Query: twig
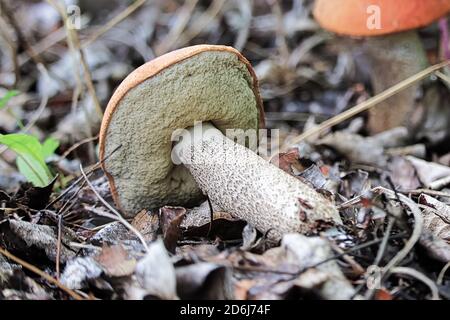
<point x="74" y="45"/>
<point x="384" y="242"/>
<point x="37" y="114"/>
<point x="428" y="191"/>
<point x="280" y="32"/>
<point x="440" y="183"/>
<point x="21" y="39"/>
<point x="79" y="179"/>
<point x="41" y="273"/>
<point x="441" y="275"/>
<point x="415" y="235"/>
<point x="183" y="15"/>
<point x="419" y="276"/>
<point x="443" y="77"/>
<point x="357" y="268"/>
<point x="13" y="48"/>
<point x="84" y="246"/>
<point x="58" y="246"/>
<point x="336" y="256"/>
<point x="117" y="216"/>
<point x="417" y="230"/>
<point x="76" y="146"/>
<point x="366" y="105"/>
<point x="246" y="8"/>
<point x="42" y="105"/>
<point x="202" y="22"/>
<point x="43" y="45"/>
<point x="114" y="21"/>
<point x="381" y="251"/>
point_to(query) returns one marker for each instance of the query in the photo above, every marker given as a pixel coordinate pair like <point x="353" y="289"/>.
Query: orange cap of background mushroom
<point x="377" y="17"/>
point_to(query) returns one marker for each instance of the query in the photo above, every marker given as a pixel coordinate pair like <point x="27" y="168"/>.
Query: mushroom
<point x="392" y="45"/>
<point x="177" y="107"/>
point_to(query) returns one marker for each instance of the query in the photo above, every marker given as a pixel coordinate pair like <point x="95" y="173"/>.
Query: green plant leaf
<point x="4" y="100"/>
<point x="49" y="147"/>
<point x="30" y="157"/>
<point x="33" y="171"/>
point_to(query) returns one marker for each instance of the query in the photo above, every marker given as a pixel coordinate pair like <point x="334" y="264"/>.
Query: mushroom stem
<point x="240" y="182"/>
<point x="394" y="58"/>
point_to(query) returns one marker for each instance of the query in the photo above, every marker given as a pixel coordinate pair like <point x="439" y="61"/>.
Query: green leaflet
<point x="31" y="155"/>
<point x="4" y="100"/>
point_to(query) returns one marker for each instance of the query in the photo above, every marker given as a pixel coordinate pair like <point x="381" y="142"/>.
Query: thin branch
<point x="419" y="276"/>
<point x="79" y="179"/>
<point x="183" y="15"/>
<point x="366" y="105"/>
<point x="417" y="230"/>
<point x="40" y="273"/>
<point x="117" y="216"/>
<point x="76" y="146"/>
<point x="114" y="21"/>
<point x="441" y="275"/>
<point x="74" y="44"/>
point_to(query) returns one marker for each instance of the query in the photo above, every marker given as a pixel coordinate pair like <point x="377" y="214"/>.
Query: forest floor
<point x="60" y="237"/>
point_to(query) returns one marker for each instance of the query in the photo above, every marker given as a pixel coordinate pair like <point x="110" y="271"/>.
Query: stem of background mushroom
<point x="240" y="182"/>
<point x="394" y="58"/>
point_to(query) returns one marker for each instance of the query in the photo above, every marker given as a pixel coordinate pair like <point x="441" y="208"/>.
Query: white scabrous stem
<point x="240" y="182"/>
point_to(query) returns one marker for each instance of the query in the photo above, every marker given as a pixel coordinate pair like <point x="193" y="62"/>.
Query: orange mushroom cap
<point x="377" y="17"/>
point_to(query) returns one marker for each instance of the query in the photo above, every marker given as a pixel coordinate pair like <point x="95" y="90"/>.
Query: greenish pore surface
<point x="211" y="86"/>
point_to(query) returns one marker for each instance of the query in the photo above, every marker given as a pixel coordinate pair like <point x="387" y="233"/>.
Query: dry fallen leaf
<point x="308" y="252"/>
<point x="287" y="161"/>
<point x="428" y="172"/>
<point x="356" y="148"/>
<point x="43" y="237"/>
<point x="242" y="287"/>
<point x="147" y="224"/>
<point x="154" y="275"/>
<point x="171" y="218"/>
<point x="403" y="174"/>
<point x="204" y="281"/>
<point x="437" y="218"/>
<point x="115" y="261"/>
<point x="435" y="237"/>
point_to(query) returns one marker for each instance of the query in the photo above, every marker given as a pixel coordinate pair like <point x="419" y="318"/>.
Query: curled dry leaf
<point x="204" y="281"/>
<point x="437" y="218"/>
<point x="308" y="252"/>
<point x="154" y="275"/>
<point x="428" y="172"/>
<point x="436" y="224"/>
<point x="314" y="175"/>
<point x="147" y="224"/>
<point x="35" y="197"/>
<point x="355" y="183"/>
<point x="287" y="161"/>
<point x="171" y="218"/>
<point x="249" y="238"/>
<point x="403" y="174"/>
<point x="300" y="262"/>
